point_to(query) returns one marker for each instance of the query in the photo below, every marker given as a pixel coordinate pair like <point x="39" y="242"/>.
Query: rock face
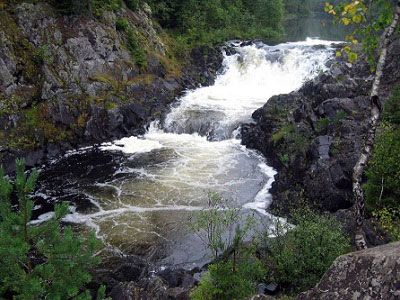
<point x="67" y="81"/>
<point x="369" y="274"/>
<point x="313" y="136"/>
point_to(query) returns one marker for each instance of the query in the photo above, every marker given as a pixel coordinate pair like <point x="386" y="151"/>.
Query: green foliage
<point x="122" y="24"/>
<point x="212" y="21"/>
<point x="236" y="269"/>
<point x="322" y="125"/>
<point x="391" y="111"/>
<point x="96" y="7"/>
<point x="215" y="225"/>
<point x="369" y="18"/>
<point x="383" y="186"/>
<point x="134" y="47"/>
<point x="132" y="4"/>
<point x="339" y="117"/>
<point x="99" y="6"/>
<point x="284" y="158"/>
<point x="42" y="54"/>
<point x="224" y="281"/>
<point x="299" y="256"/>
<point x="388" y="219"/>
<point x="45" y="261"/>
<point x="291" y="139"/>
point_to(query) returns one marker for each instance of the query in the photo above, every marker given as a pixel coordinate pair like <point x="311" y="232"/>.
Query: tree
<point x="356" y="13"/>
<point x="43" y="261"/>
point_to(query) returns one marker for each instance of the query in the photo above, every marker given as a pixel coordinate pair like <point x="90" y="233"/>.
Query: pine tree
<point x="45" y="261"/>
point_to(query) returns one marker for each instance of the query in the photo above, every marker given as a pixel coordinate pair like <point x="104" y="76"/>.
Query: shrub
<point x="298" y="258"/>
<point x="223" y="281"/>
<point x="389" y="220"/>
<point x="45" y="261"/>
<point x="122" y="24"/>
<point x="135" y="48"/>
<point x="383" y="186"/>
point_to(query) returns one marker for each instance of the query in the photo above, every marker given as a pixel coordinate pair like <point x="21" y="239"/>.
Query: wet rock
<point x="261" y="288"/>
<point x="127" y="272"/>
<point x="154" y="288"/>
<point x="370" y="274"/>
<point x="314" y="137"/>
<point x="272" y="288"/>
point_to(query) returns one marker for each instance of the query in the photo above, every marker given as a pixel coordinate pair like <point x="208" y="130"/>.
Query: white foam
<point x="131" y="145"/>
<point x="43" y="218"/>
<point x="250" y="79"/>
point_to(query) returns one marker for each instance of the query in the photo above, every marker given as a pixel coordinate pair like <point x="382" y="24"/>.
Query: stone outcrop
<point x="369" y="274"/>
<point x="313" y="136"/>
<point x="69" y="80"/>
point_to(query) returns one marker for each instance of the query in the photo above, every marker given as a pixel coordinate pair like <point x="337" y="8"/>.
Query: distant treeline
<point x="217" y="20"/>
<point x="207" y="21"/>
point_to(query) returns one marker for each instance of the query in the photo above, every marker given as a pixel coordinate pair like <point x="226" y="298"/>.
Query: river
<point x="137" y="193"/>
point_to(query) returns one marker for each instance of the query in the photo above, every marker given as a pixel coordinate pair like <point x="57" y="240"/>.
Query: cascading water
<point x="169" y="171"/>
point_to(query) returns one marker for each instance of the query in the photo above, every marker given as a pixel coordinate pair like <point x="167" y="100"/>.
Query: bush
<point x="122" y="24"/>
<point x="45" y="261"/>
<point x="298" y="259"/>
<point x="223" y="281"/>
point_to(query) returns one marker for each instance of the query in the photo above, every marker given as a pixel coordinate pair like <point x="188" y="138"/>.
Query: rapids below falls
<point x="138" y="192"/>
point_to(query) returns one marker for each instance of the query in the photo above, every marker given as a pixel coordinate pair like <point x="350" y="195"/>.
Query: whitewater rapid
<point x="169" y="171"/>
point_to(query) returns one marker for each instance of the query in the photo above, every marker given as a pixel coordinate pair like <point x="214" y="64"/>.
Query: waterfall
<point x="170" y="170"/>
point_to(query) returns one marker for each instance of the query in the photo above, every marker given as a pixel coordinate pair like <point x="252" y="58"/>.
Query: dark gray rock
<point x="90" y="88"/>
<point x="326" y="119"/>
<point x="370" y="274"/>
<point x="272" y="288"/>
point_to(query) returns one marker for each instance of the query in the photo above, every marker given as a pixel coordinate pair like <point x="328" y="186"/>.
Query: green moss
<point x="23" y="50"/>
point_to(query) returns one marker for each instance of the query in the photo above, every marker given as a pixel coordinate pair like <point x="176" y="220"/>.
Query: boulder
<point x="369" y="274"/>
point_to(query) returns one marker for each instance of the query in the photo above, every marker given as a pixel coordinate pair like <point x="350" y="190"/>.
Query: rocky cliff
<point x="68" y="80"/>
<point x="368" y="274"/>
<point x="313" y="136"/>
